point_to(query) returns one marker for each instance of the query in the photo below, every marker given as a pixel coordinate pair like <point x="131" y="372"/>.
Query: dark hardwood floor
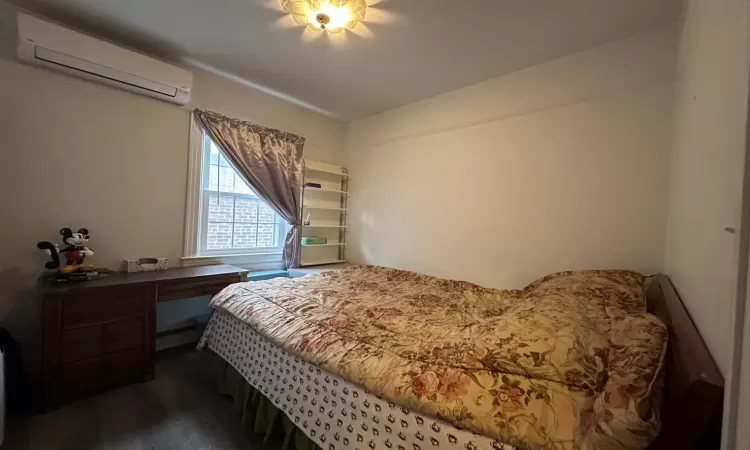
<point x="180" y="409"/>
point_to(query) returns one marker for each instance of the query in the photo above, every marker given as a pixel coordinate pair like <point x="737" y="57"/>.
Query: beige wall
<point x="707" y="167"/>
<point x="80" y="154"/>
<point x="559" y="166"/>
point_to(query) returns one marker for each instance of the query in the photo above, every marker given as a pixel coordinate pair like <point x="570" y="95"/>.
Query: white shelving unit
<point x="326" y="190"/>
<point x="320" y="262"/>
<point x="327" y="206"/>
<point x="324" y="226"/>
<point x="330" y="244"/>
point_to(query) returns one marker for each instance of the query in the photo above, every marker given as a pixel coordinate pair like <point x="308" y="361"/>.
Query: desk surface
<point x="124" y="278"/>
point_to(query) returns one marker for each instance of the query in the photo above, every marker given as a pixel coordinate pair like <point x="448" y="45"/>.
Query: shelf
<point x="320" y="262"/>
<point x="307" y="188"/>
<point x="324" y="208"/>
<point x="324" y="226"/>
<point x="332" y="195"/>
<point x="332" y="244"/>
<point x="313" y="169"/>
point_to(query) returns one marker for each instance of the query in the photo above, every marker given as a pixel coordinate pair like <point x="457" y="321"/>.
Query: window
<point x="225" y="220"/>
<point x="233" y="219"/>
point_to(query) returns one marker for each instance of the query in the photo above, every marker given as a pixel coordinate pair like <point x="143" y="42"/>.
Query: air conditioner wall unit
<point x="49" y="45"/>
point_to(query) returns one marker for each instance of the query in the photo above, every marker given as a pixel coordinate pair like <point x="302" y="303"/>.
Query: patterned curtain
<point x="270" y="161"/>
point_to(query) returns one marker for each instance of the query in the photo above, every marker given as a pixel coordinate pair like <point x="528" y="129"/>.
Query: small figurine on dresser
<point x="74" y="254"/>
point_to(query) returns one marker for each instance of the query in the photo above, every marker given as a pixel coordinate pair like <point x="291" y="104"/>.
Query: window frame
<point x="196" y="215"/>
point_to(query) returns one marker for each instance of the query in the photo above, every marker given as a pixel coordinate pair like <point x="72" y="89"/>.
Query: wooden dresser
<point x="100" y="334"/>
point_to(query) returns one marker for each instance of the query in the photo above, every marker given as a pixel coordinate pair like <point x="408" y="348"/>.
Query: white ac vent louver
<point x="58" y="48"/>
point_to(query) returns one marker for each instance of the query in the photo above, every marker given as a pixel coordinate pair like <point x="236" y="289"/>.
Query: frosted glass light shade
<point x="327" y="15"/>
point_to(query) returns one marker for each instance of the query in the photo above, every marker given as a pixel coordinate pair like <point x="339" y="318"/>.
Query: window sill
<point x="258" y="261"/>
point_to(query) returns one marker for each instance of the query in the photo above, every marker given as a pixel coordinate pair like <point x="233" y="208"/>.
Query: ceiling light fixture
<point x="326" y="15"/>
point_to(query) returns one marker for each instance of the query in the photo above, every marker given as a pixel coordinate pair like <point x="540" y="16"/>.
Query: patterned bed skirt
<point x="258" y="414"/>
<point x="332" y="412"/>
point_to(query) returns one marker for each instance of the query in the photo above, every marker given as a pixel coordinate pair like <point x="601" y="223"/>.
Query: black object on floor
<point x="16" y="383"/>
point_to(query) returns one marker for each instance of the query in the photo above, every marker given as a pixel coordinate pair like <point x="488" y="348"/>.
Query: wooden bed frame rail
<point x="694" y="387"/>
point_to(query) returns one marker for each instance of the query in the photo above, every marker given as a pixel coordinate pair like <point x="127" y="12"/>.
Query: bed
<point x="370" y="357"/>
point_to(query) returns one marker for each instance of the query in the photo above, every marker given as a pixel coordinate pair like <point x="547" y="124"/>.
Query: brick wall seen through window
<point x="234" y="218"/>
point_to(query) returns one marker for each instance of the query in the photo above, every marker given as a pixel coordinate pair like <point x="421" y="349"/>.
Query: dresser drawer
<point x="94" y="307"/>
<point x="97" y="340"/>
<point x="91" y="375"/>
<point x="185" y="289"/>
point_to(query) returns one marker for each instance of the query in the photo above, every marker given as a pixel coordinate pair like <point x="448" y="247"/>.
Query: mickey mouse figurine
<point x="75" y="252"/>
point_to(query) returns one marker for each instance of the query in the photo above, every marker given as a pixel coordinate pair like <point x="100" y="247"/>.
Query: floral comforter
<point x="571" y="361"/>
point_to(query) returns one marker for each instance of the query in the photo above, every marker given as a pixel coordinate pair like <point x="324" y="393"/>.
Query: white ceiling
<point x="407" y="51"/>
